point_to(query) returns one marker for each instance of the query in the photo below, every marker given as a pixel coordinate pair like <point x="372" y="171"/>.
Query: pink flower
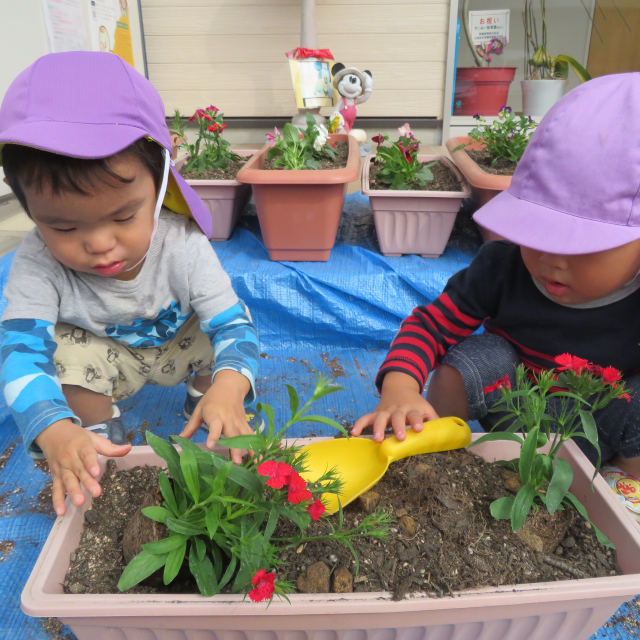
<point x="272" y="137"/>
<point x="212" y="108"/>
<point x="316" y="509"/>
<point x="567" y="361"/>
<point x="278" y="473"/>
<point x="405" y="130"/>
<point x="503" y="383"/>
<point x="298" y="491"/>
<point x="264" y="588"/>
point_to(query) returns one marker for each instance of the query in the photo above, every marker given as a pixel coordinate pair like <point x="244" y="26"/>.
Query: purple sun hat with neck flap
<point x="576" y="189"/>
<point x="92" y="105"/>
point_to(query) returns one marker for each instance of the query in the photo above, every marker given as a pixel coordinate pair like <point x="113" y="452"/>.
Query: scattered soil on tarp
<point x="342" y="154"/>
<point x="444" y="538"/>
<point x="6" y="454"/>
<point x="217" y="174"/>
<point x="44" y="500"/>
<point x="54" y="629"/>
<point x="629" y="620"/>
<point x="484" y="159"/>
<point x="6" y="547"/>
<point x="444" y="179"/>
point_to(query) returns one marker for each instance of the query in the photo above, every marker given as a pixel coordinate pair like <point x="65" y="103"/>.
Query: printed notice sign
<point x="64" y="20"/>
<point x="487" y="25"/>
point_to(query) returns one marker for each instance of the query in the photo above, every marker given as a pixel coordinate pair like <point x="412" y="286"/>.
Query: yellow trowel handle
<point x="443" y="434"/>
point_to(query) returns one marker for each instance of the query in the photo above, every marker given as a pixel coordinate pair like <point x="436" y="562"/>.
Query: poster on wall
<point x="489" y="25"/>
<point x="113" y="26"/>
<point x="311" y="76"/>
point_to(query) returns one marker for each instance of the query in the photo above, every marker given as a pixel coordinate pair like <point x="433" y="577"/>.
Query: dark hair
<point x="34" y="167"/>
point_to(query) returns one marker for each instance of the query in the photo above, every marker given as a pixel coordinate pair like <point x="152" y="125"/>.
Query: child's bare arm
<point x="72" y="454"/>
<point x="401" y="404"/>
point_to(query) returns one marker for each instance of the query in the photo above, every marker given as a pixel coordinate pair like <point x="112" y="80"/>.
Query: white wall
<point x="569" y="31"/>
<point x="23" y="39"/>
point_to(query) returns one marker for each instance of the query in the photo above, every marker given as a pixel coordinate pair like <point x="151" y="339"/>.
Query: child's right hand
<point x="401" y="404"/>
<point x="72" y="454"/>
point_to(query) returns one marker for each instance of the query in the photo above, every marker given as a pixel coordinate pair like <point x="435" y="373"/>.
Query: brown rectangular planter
<point x="299" y="211"/>
<point x="562" y="610"/>
<point x="484" y="186"/>
<point x="225" y="199"/>
<point x="414" y="221"/>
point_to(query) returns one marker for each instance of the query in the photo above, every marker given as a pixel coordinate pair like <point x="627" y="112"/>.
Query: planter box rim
<point x="410" y="193"/>
<point x="36" y="602"/>
<point x="474" y="174"/>
<point x="252" y="172"/>
<point x="212" y="183"/>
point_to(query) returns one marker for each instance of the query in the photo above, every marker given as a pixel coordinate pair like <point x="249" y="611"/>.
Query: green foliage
<point x="295" y="149"/>
<point x="582" y="389"/>
<point x="211" y="150"/>
<point x="222" y="517"/>
<point x="401" y="169"/>
<point x="507" y="137"/>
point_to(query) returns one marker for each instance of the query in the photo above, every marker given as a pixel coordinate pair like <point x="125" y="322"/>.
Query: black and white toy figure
<point x="354" y="87"/>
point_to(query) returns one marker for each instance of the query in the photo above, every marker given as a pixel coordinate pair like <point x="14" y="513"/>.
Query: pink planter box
<point x="414" y="221"/>
<point x="567" y="610"/>
<point x="225" y="199"/>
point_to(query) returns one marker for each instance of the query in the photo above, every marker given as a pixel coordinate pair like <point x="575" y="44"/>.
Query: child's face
<point x="585" y="277"/>
<point x="104" y="233"/>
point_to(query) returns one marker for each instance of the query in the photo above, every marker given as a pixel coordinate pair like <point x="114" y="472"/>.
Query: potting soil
<point x="216" y="174"/>
<point x="340" y="162"/>
<point x="484" y="159"/>
<point x="444" y="179"/>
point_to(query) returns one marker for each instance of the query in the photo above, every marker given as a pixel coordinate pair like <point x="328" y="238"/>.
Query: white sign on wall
<point x="486" y="25"/>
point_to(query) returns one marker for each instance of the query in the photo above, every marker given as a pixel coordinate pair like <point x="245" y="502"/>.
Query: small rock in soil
<point x="512" y="481"/>
<point x="409" y="525"/>
<point x="401" y="512"/>
<point x="559" y="551"/>
<point x="369" y="501"/>
<point x="448" y="501"/>
<point x="342" y="581"/>
<point x="532" y="540"/>
<point x="315" y="579"/>
<point x="569" y="542"/>
<point x="91" y="516"/>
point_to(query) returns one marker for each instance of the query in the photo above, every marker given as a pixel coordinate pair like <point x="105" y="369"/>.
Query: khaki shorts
<point x="112" y="368"/>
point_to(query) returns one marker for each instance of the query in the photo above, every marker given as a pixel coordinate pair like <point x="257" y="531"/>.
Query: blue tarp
<point x="337" y="318"/>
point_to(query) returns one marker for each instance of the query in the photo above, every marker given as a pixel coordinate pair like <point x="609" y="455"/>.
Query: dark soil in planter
<point x="484" y="159"/>
<point x="444" y="538"/>
<point x="444" y="179"/>
<point x="342" y="154"/>
<point x="217" y="174"/>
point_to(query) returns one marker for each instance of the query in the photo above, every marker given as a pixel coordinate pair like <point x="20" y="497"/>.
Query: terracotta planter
<point x="225" y="200"/>
<point x="414" y="221"/>
<point x="563" y="610"/>
<point x="483" y="90"/>
<point x="299" y="211"/>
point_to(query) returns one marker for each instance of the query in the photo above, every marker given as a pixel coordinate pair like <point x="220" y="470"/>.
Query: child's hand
<point x="72" y="454"/>
<point x="221" y="408"/>
<point x="401" y="404"/>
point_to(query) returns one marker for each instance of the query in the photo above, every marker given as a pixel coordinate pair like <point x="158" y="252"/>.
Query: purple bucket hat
<point x="577" y="188"/>
<point x="92" y="105"/>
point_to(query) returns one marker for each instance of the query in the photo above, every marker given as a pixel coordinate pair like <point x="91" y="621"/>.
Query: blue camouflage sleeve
<point x="235" y="344"/>
<point x="28" y="377"/>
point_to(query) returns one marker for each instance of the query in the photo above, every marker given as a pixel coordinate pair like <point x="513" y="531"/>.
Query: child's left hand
<point x="221" y="408"/>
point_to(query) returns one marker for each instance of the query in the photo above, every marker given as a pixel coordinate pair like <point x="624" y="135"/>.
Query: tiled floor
<point x="14" y="223"/>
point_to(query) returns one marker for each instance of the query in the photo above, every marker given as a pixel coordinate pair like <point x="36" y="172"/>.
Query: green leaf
<point x="174" y="562"/>
<point x="168" y="454"/>
<point x="581" y="72"/>
<point x="313" y="164"/>
<point x="202" y="571"/>
<point x="589" y="426"/>
<point x="294" y="401"/>
<point x="268" y="412"/>
<point x="185" y="444"/>
<point x="167" y="493"/>
<point x="141" y="567"/>
<point x="327" y="421"/>
<point x="498" y="435"/>
<point x="577" y="505"/>
<point x="521" y="506"/>
<point x="527" y="454"/>
<point x="290" y="134"/>
<point x="218" y="482"/>
<point x="201" y="547"/>
<point x="159" y="514"/>
<point x="242" y="476"/>
<point x="302" y="519"/>
<point x="501" y="508"/>
<point x="256" y="443"/>
<point x="166" y="545"/>
<point x="186" y="528"/>
<point x="212" y="520"/>
<point x="271" y="524"/>
<point x="559" y="485"/>
<point x="189" y="468"/>
<point x="228" y="574"/>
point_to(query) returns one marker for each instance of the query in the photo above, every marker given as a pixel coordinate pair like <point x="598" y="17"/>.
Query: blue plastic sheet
<point x="337" y="318"/>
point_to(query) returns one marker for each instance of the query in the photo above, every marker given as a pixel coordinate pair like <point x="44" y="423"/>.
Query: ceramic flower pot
<point x="225" y="199"/>
<point x="538" y="96"/>
<point x="483" y="90"/>
<point x="299" y="211"/>
<point x="414" y="221"/>
<point x="562" y="610"/>
<point x="484" y="186"/>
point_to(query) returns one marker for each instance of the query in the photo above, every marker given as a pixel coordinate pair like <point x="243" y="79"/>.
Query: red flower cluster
<point x="215" y="128"/>
<point x="264" y="588"/>
<point x="567" y="361"/>
<point x="503" y="383"/>
<point x="280" y="474"/>
<point x="204" y="113"/>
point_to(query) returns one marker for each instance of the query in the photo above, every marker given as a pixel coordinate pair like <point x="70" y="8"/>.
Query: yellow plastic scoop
<point x="361" y="462"/>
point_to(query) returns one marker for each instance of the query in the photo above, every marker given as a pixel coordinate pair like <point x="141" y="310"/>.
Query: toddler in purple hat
<point x="117" y="286"/>
<point x="566" y="282"/>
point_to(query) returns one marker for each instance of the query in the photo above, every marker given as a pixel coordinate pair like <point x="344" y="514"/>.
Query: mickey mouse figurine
<point x="354" y="87"/>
